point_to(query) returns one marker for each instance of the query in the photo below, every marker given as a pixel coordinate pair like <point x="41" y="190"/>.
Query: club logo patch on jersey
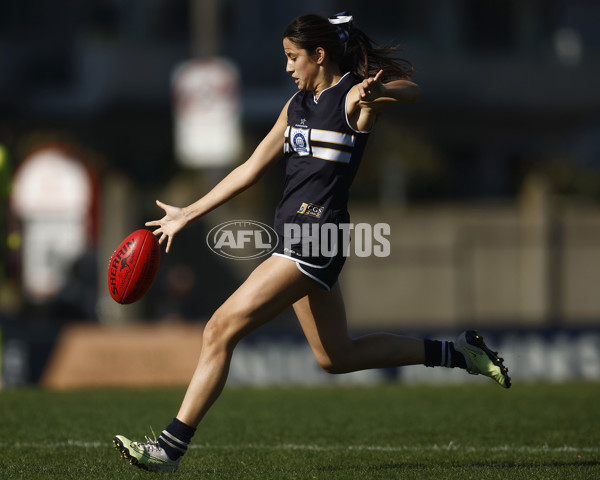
<point x="311" y="210"/>
<point x="299" y="140"/>
<point x="300" y="143"/>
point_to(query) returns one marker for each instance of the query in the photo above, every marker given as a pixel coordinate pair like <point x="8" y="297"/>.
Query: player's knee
<point x="219" y="331"/>
<point x="333" y="364"/>
<point x="335" y="357"/>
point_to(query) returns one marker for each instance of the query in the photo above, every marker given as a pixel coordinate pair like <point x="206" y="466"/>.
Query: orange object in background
<point x="95" y="356"/>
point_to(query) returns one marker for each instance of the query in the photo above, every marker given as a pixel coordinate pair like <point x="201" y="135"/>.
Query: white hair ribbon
<point x="343" y="22"/>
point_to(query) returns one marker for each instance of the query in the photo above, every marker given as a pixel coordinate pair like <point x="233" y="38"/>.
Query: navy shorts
<point x="324" y="269"/>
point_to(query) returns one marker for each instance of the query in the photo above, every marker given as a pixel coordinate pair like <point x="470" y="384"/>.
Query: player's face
<point x="302" y="66"/>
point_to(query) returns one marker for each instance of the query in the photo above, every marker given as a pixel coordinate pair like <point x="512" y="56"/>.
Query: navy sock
<point x="175" y="438"/>
<point x="443" y="354"/>
<point x="433" y="353"/>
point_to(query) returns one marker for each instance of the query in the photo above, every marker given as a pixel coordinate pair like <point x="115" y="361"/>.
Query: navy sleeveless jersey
<point x="322" y="154"/>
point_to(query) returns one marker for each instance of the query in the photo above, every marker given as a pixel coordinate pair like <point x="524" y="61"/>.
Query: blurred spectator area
<point x="510" y="93"/>
<point x="504" y="81"/>
<point x="85" y="57"/>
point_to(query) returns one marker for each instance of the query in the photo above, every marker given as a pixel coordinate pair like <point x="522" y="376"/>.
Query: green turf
<point x="393" y="431"/>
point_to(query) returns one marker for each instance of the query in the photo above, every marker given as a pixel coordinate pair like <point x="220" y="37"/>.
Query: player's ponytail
<point x="364" y="58"/>
<point x="347" y="46"/>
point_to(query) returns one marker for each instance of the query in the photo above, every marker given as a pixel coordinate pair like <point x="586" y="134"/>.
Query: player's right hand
<point x="168" y="226"/>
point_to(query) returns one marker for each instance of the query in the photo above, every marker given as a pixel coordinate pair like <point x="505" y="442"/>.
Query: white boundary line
<point x="451" y="447"/>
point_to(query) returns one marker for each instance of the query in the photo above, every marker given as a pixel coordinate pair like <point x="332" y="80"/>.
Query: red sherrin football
<point x="133" y="267"/>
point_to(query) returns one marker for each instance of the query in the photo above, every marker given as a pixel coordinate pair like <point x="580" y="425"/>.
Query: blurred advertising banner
<point x="206" y="103"/>
<point x="53" y="197"/>
<point x="166" y="354"/>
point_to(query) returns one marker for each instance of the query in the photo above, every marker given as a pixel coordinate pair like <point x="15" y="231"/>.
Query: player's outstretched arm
<point x="370" y="96"/>
<point x="372" y="92"/>
<point x="239" y="179"/>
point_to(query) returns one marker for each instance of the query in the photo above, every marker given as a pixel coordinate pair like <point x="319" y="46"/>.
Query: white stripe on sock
<point x="444" y="353"/>
<point x="182" y="447"/>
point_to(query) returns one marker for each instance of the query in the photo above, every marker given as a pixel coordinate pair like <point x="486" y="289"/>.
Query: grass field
<point x="392" y="431"/>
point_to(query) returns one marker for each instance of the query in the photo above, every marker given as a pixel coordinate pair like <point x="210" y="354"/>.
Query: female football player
<point x="343" y="81"/>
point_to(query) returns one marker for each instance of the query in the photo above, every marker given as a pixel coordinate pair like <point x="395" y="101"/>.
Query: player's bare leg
<point x="323" y="319"/>
<point x="273" y="286"/>
<point x="322" y="316"/>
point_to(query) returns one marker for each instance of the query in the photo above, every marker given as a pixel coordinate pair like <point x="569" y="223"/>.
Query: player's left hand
<point x="371" y="88"/>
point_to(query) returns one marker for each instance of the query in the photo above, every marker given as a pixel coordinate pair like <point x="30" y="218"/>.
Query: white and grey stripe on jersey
<point x="325" y="144"/>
